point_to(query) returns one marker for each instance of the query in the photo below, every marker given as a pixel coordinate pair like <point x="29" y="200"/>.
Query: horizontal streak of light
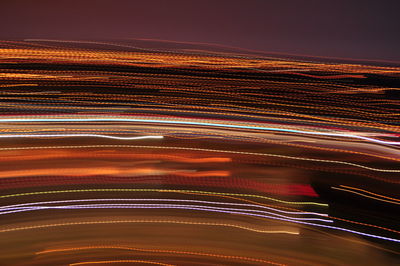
<point x="294" y="232"/>
<point x="157" y="206"/>
<point x="122" y="261"/>
<point x="208" y="150"/>
<point x="77" y="135"/>
<point x="164" y="251"/>
<point x="197" y="124"/>
<point x="219" y="194"/>
<point x="158" y="190"/>
<point x="161" y="199"/>
<point x="240" y="213"/>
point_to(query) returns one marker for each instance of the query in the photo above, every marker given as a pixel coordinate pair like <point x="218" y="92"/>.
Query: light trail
<point x="24" y="120"/>
<point x="260" y="123"/>
<point x="255" y="215"/>
<point x="121" y="261"/>
<point x="369" y="192"/>
<point x="366" y="196"/>
<point x="166" y="251"/>
<point x="209" y="150"/>
<point x="158" y="206"/>
<point x="159" y="190"/>
<point x="77" y="135"/>
<point x="295" y="231"/>
<point x="238" y="204"/>
<point x="160" y="199"/>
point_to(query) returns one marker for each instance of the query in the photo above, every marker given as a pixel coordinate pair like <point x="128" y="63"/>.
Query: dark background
<point x="361" y="29"/>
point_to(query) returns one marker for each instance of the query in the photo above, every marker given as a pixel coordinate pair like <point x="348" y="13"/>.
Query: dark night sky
<point x="361" y="29"/>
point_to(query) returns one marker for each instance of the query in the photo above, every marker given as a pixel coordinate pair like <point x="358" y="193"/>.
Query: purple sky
<point x="361" y="29"/>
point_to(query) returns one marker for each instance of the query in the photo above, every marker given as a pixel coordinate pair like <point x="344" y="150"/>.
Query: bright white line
<point x="79" y="135"/>
<point x="110" y="119"/>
